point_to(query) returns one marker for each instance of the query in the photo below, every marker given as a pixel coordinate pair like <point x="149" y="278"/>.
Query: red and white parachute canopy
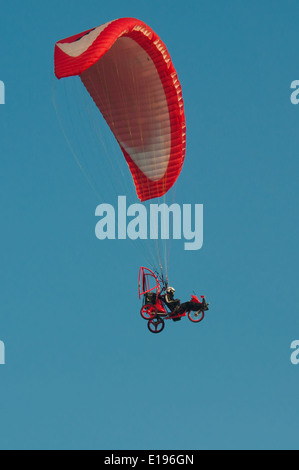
<point x="129" y="74"/>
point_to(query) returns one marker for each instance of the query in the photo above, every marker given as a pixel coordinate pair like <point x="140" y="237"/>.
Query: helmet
<point x="170" y="290"/>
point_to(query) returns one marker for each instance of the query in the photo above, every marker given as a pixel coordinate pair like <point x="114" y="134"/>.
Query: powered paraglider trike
<point x="154" y="308"/>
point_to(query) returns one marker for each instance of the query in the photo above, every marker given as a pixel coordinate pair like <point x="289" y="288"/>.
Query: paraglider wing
<point x="129" y="74"/>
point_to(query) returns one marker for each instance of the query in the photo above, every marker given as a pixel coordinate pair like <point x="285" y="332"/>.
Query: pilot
<point x="170" y="301"/>
<point x="175" y="305"/>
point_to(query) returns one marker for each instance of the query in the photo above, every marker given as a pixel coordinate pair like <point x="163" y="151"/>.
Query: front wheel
<point x="196" y="317"/>
<point x="156" y="325"/>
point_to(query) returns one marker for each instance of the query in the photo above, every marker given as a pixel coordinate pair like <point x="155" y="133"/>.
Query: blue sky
<point x="82" y="370"/>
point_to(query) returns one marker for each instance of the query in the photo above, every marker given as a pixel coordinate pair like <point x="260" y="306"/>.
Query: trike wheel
<point x="148" y="311"/>
<point x="196" y="317"/>
<point x="156" y="325"/>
